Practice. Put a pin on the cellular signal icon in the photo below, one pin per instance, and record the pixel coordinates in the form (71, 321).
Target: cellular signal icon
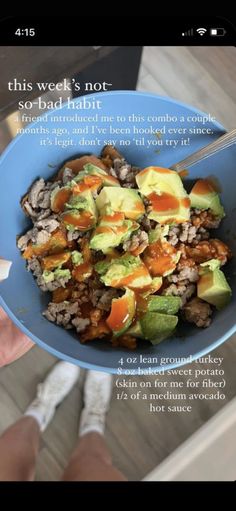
(188, 33)
(201, 31)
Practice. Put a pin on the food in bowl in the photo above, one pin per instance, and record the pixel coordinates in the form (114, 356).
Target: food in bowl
(125, 252)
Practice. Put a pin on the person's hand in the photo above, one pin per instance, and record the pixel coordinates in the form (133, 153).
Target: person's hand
(13, 343)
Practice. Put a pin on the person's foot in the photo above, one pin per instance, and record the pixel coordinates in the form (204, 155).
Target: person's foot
(97, 396)
(52, 391)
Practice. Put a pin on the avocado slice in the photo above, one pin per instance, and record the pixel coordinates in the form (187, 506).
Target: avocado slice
(111, 231)
(135, 330)
(166, 194)
(154, 286)
(122, 313)
(49, 276)
(77, 257)
(125, 271)
(92, 170)
(125, 200)
(212, 285)
(158, 233)
(154, 327)
(164, 304)
(159, 179)
(204, 196)
(168, 209)
(80, 212)
(59, 197)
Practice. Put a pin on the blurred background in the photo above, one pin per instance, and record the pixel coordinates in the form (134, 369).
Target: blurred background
(140, 442)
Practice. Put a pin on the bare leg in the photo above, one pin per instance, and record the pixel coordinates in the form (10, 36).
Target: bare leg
(91, 461)
(19, 446)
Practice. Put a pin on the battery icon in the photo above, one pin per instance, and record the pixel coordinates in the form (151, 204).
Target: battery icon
(217, 31)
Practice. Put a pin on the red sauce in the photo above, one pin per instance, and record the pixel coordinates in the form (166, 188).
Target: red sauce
(202, 187)
(52, 261)
(141, 271)
(183, 173)
(139, 207)
(120, 229)
(80, 187)
(110, 179)
(117, 217)
(163, 202)
(158, 258)
(82, 221)
(60, 198)
(82, 271)
(141, 303)
(93, 182)
(119, 314)
(186, 202)
(104, 230)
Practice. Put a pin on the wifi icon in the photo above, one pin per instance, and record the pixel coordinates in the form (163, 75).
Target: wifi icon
(201, 31)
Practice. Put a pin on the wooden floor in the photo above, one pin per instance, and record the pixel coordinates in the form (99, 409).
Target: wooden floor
(138, 440)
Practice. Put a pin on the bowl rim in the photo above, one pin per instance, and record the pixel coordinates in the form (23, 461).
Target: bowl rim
(59, 354)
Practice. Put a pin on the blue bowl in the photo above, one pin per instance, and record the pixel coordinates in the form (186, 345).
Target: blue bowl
(25, 160)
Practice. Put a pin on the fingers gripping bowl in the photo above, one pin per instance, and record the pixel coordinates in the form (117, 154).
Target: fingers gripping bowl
(32, 160)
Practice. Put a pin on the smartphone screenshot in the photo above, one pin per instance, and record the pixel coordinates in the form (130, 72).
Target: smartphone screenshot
(117, 250)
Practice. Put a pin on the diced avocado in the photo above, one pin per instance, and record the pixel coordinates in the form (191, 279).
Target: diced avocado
(83, 201)
(159, 180)
(135, 330)
(164, 304)
(158, 233)
(78, 220)
(106, 178)
(122, 313)
(166, 208)
(154, 286)
(107, 237)
(126, 271)
(120, 199)
(168, 198)
(212, 264)
(115, 218)
(77, 257)
(156, 327)
(59, 197)
(49, 276)
(89, 169)
(81, 212)
(62, 274)
(127, 261)
(204, 196)
(212, 285)
(111, 231)
(93, 170)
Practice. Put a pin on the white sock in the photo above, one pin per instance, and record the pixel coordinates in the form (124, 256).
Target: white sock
(51, 392)
(97, 395)
(37, 414)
